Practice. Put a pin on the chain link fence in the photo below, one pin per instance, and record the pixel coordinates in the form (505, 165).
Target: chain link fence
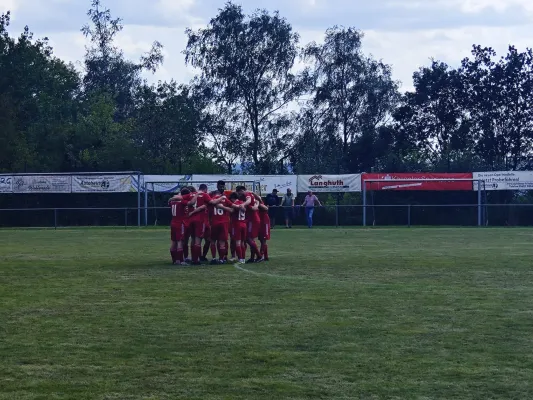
(327, 216)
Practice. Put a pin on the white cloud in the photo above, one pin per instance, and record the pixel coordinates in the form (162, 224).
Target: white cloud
(173, 8)
(407, 51)
(8, 5)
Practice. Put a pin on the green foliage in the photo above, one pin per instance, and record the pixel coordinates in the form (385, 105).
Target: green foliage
(246, 105)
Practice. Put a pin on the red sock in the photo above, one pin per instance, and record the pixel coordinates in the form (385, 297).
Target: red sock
(221, 251)
(265, 251)
(254, 250)
(262, 249)
(207, 245)
(214, 251)
(243, 252)
(180, 255)
(196, 251)
(173, 254)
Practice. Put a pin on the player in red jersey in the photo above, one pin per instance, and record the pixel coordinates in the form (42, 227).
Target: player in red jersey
(253, 222)
(238, 226)
(220, 220)
(198, 220)
(187, 223)
(221, 188)
(264, 231)
(178, 206)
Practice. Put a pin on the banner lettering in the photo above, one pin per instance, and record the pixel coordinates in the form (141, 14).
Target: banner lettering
(101, 183)
(42, 184)
(402, 181)
(6, 184)
(505, 180)
(265, 183)
(329, 183)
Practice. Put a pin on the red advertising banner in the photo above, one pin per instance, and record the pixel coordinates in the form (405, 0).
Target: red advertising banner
(402, 181)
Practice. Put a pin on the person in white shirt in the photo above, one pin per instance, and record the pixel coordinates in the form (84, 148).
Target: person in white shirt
(309, 203)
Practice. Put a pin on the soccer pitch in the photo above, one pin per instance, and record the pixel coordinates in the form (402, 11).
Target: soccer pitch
(421, 313)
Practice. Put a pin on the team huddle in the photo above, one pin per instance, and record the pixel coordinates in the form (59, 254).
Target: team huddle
(217, 218)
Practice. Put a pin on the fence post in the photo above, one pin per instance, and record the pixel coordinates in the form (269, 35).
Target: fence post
(139, 200)
(55, 218)
(409, 215)
(146, 204)
(478, 204)
(364, 203)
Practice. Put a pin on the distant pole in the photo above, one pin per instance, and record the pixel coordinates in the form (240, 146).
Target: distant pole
(479, 204)
(146, 204)
(364, 203)
(139, 200)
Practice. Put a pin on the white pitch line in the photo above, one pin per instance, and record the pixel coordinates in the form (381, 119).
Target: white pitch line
(237, 266)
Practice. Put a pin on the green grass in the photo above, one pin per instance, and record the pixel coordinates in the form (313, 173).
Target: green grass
(337, 314)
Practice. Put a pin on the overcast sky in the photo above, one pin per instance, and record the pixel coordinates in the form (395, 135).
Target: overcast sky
(403, 33)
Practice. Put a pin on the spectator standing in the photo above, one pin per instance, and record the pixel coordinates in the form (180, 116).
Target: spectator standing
(288, 207)
(309, 203)
(272, 201)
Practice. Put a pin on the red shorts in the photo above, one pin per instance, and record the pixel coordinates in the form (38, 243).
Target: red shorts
(177, 232)
(238, 232)
(197, 228)
(264, 231)
(220, 232)
(253, 229)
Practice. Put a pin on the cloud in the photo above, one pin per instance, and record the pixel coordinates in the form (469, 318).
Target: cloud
(407, 51)
(8, 5)
(403, 33)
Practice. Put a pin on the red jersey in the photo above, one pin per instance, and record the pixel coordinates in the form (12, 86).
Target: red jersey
(239, 216)
(179, 211)
(202, 199)
(218, 215)
(265, 218)
(252, 215)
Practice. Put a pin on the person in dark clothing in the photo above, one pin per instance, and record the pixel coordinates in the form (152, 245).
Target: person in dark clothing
(272, 201)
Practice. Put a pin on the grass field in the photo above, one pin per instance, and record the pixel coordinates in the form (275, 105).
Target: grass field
(337, 314)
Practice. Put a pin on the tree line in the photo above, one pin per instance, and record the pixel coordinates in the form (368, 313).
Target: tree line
(249, 105)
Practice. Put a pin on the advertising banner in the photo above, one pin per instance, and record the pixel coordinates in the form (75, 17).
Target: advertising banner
(42, 184)
(505, 180)
(6, 184)
(101, 183)
(266, 183)
(329, 183)
(402, 181)
(166, 183)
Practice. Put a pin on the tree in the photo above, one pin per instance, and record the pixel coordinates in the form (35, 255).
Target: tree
(247, 63)
(434, 116)
(353, 94)
(167, 131)
(500, 102)
(106, 69)
(37, 103)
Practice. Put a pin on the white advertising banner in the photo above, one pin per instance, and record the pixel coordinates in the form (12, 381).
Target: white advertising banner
(6, 184)
(505, 180)
(165, 183)
(42, 184)
(267, 183)
(101, 183)
(329, 183)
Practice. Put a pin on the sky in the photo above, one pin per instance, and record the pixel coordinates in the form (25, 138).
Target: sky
(405, 34)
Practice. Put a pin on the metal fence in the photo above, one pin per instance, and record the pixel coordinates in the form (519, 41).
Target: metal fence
(331, 215)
